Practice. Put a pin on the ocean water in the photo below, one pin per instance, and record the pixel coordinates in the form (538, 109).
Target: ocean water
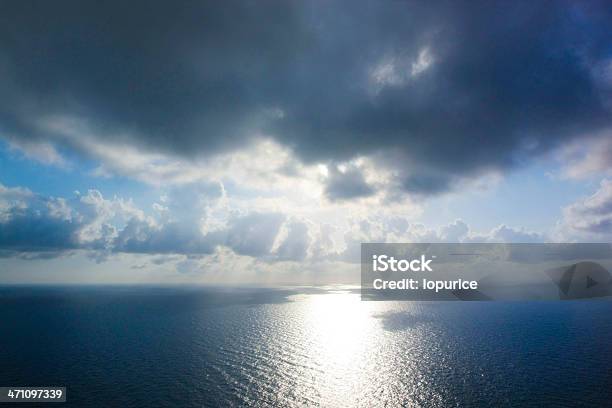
(200, 347)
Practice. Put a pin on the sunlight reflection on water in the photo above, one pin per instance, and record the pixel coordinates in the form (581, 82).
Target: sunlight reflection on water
(334, 350)
(346, 356)
(196, 347)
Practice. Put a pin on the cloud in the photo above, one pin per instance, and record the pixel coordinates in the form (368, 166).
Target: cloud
(195, 222)
(454, 232)
(296, 244)
(444, 91)
(40, 151)
(399, 230)
(34, 223)
(30, 222)
(398, 71)
(506, 234)
(588, 156)
(145, 236)
(346, 183)
(254, 234)
(591, 217)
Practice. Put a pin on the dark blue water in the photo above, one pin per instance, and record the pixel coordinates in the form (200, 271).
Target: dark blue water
(168, 347)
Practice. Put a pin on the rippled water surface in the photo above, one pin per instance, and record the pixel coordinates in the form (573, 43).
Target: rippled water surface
(149, 347)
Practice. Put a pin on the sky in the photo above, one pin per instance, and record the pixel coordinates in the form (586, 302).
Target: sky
(248, 142)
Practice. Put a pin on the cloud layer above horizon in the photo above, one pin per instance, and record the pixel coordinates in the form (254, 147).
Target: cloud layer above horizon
(289, 131)
(441, 91)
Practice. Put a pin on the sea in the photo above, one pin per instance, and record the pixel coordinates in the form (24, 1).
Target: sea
(179, 346)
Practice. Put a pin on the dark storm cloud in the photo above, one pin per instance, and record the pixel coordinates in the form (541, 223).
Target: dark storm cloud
(424, 183)
(451, 88)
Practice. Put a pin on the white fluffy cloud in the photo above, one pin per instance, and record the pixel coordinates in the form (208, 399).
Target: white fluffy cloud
(32, 223)
(588, 156)
(198, 220)
(590, 218)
